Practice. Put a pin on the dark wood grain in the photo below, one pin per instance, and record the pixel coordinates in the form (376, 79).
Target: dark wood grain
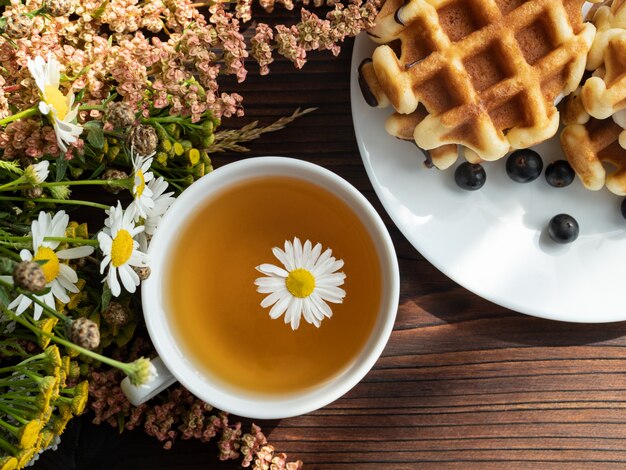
(462, 382)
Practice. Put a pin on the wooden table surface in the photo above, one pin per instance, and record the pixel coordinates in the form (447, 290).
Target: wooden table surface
(462, 381)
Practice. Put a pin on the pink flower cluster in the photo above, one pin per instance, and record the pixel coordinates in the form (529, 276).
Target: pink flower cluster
(177, 414)
(28, 138)
(177, 52)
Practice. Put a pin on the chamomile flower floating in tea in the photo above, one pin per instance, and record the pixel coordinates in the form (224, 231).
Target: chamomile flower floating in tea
(54, 104)
(60, 277)
(142, 193)
(308, 280)
(120, 250)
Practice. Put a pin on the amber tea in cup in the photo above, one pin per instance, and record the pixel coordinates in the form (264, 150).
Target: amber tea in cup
(215, 309)
(203, 311)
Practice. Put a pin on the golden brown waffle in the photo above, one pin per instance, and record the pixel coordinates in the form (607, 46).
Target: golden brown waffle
(605, 93)
(486, 71)
(589, 147)
(399, 125)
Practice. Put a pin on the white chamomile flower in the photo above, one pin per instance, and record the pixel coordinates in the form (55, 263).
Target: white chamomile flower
(60, 278)
(162, 202)
(142, 192)
(37, 173)
(308, 280)
(54, 104)
(121, 250)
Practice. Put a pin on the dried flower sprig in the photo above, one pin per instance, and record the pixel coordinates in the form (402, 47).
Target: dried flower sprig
(230, 140)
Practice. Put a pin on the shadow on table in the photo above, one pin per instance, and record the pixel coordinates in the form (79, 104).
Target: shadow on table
(502, 325)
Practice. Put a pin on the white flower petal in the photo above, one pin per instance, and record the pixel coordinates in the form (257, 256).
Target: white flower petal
(26, 255)
(330, 280)
(104, 263)
(297, 252)
(58, 291)
(331, 294)
(282, 257)
(114, 284)
(129, 278)
(279, 307)
(294, 312)
(269, 284)
(270, 269)
(274, 297)
(307, 313)
(37, 311)
(76, 252)
(67, 273)
(319, 305)
(58, 226)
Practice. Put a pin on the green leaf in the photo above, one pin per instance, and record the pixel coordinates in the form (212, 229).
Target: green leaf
(11, 166)
(4, 297)
(98, 171)
(92, 125)
(41, 262)
(95, 137)
(61, 165)
(81, 93)
(6, 266)
(106, 297)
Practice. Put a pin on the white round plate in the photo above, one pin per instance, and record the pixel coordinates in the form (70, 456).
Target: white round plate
(494, 241)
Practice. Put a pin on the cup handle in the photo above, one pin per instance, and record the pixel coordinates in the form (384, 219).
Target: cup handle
(142, 393)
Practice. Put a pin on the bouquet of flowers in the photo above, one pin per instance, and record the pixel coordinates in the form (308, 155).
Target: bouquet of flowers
(108, 110)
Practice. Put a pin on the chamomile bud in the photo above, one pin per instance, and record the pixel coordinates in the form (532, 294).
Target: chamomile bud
(85, 333)
(60, 192)
(116, 314)
(141, 371)
(28, 275)
(114, 174)
(119, 115)
(143, 139)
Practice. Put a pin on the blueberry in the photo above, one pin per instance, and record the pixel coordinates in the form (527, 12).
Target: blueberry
(559, 174)
(563, 228)
(470, 176)
(524, 165)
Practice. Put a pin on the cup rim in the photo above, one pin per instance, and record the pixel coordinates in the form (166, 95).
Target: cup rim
(261, 406)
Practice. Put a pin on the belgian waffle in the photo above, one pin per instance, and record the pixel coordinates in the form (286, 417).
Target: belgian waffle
(605, 93)
(399, 125)
(487, 71)
(589, 147)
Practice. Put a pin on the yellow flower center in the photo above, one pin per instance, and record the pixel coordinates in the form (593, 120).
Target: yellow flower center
(300, 283)
(51, 267)
(56, 100)
(122, 248)
(140, 182)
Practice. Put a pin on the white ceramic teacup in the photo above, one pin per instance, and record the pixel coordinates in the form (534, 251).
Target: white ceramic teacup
(173, 365)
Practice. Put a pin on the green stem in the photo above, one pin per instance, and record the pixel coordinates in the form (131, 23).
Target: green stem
(10, 254)
(22, 114)
(12, 183)
(82, 241)
(24, 412)
(126, 368)
(12, 450)
(6, 425)
(115, 183)
(57, 201)
(86, 107)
